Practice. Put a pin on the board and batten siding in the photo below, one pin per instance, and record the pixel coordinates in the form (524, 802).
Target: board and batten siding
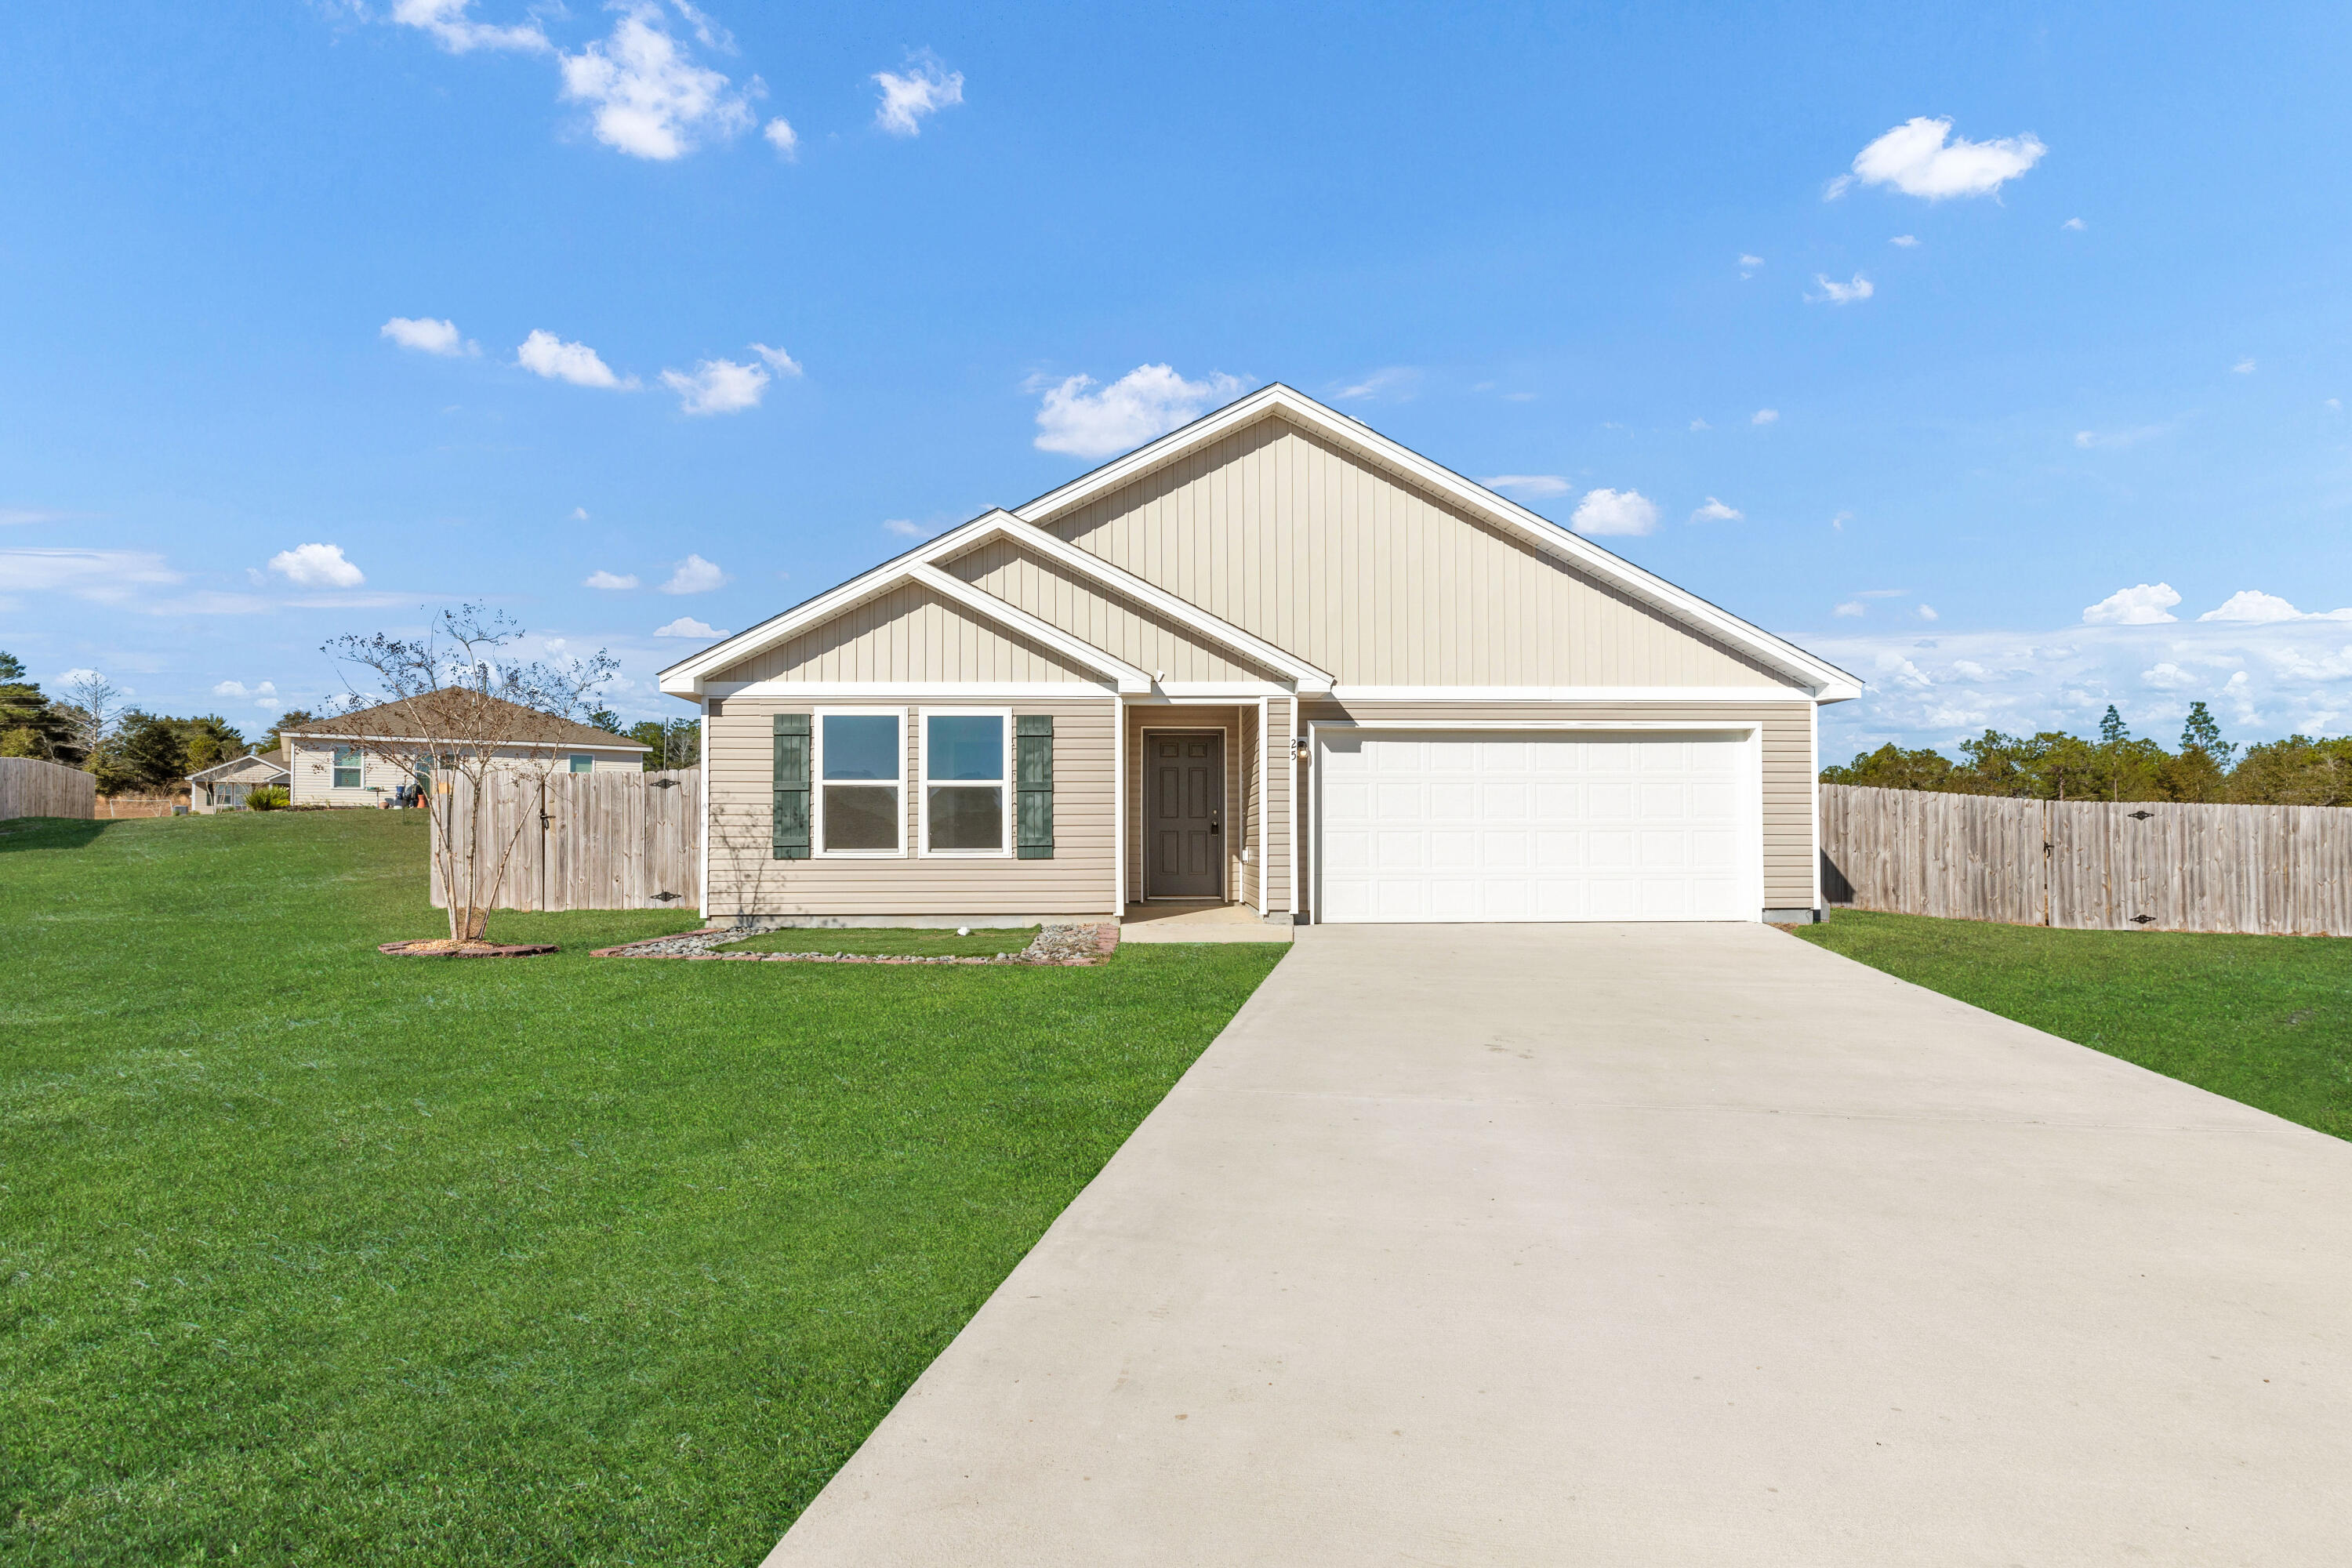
(909, 634)
(1378, 582)
(1786, 730)
(745, 879)
(1054, 594)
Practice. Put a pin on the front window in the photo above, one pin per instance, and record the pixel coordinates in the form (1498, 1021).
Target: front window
(963, 783)
(860, 765)
(583, 764)
(346, 767)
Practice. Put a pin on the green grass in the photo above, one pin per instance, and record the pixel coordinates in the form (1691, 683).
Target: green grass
(893, 941)
(310, 1255)
(2264, 1019)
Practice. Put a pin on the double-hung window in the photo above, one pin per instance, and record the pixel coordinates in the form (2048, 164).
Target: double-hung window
(861, 761)
(346, 767)
(582, 762)
(965, 799)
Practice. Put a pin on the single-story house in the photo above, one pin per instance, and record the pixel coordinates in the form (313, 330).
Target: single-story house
(1273, 658)
(362, 758)
(223, 786)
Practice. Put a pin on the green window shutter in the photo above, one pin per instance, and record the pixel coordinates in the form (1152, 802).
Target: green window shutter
(792, 822)
(1033, 742)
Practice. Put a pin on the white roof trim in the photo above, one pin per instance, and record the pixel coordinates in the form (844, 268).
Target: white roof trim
(295, 738)
(1124, 676)
(1825, 682)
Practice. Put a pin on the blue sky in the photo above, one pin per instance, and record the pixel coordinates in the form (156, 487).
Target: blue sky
(318, 313)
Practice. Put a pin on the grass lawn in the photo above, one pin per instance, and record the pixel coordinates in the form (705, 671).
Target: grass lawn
(310, 1255)
(2263, 1019)
(895, 941)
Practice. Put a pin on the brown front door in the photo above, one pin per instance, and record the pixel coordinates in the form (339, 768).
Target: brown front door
(1184, 822)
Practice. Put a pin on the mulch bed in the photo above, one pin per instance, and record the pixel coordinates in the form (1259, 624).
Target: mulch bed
(1066, 946)
(442, 947)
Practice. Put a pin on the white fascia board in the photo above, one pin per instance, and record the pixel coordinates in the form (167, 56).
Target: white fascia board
(1825, 682)
(637, 746)
(1124, 676)
(1119, 581)
(1659, 694)
(973, 690)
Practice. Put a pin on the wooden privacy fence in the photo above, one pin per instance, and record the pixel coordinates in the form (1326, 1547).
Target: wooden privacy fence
(2090, 865)
(31, 787)
(583, 841)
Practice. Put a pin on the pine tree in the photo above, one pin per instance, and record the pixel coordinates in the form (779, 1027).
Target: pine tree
(2111, 728)
(2203, 733)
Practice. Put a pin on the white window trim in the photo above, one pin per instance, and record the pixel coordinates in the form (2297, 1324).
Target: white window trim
(359, 762)
(817, 782)
(923, 717)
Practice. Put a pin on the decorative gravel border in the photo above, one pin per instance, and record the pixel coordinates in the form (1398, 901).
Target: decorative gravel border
(1066, 946)
(497, 950)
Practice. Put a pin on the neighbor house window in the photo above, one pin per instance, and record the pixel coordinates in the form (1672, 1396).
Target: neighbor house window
(583, 764)
(861, 776)
(346, 767)
(965, 792)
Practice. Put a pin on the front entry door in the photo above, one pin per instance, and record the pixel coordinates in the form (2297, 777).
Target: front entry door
(1184, 801)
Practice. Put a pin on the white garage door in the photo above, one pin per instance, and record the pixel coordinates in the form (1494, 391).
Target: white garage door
(1530, 825)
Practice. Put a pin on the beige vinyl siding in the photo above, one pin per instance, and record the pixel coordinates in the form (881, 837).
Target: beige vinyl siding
(1248, 815)
(1787, 752)
(1188, 716)
(909, 634)
(312, 776)
(1379, 582)
(747, 879)
(1140, 635)
(1281, 778)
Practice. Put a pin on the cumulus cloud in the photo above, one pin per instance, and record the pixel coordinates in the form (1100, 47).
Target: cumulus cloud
(2252, 605)
(1393, 384)
(687, 627)
(780, 135)
(717, 386)
(544, 353)
(317, 566)
(1607, 511)
(1765, 416)
(450, 26)
(579, 514)
(1921, 157)
(1907, 241)
(1700, 424)
(646, 95)
(1837, 293)
(2148, 604)
(262, 696)
(1147, 402)
(612, 581)
(1535, 487)
(428, 336)
(903, 527)
(778, 360)
(1852, 608)
(2075, 224)
(2168, 676)
(2244, 367)
(926, 89)
(694, 575)
(1928, 613)
(1748, 264)
(1716, 512)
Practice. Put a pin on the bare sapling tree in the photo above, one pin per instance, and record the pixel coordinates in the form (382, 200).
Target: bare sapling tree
(458, 712)
(92, 708)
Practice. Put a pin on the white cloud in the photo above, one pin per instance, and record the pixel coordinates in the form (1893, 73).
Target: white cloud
(1536, 486)
(1393, 384)
(1928, 613)
(1907, 241)
(317, 566)
(1840, 520)
(778, 360)
(694, 575)
(2148, 604)
(1701, 424)
(1147, 402)
(687, 627)
(1882, 593)
(454, 30)
(2088, 439)
(238, 689)
(902, 527)
(926, 89)
(427, 335)
(782, 137)
(2077, 224)
(2244, 367)
(1614, 511)
(647, 96)
(1748, 264)
(1852, 608)
(608, 580)
(12, 515)
(1765, 416)
(579, 514)
(1837, 293)
(544, 353)
(2334, 405)
(717, 386)
(2251, 604)
(1716, 512)
(2167, 677)
(1915, 159)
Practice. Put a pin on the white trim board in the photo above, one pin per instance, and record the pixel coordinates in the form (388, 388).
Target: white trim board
(1713, 694)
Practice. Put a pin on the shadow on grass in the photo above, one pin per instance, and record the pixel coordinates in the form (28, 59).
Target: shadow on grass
(50, 832)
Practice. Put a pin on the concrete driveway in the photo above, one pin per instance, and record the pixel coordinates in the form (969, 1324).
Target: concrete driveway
(1645, 1244)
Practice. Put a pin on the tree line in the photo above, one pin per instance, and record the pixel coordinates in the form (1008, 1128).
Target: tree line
(2119, 766)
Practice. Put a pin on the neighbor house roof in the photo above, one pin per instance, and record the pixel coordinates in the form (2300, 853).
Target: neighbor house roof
(455, 714)
(265, 761)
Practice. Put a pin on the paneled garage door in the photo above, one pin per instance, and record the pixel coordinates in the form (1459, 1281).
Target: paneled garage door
(1535, 826)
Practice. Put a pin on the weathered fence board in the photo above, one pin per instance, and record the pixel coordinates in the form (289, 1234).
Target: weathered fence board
(2090, 865)
(31, 787)
(585, 841)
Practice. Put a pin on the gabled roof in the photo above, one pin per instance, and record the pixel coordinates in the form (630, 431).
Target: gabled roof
(457, 714)
(265, 761)
(1027, 524)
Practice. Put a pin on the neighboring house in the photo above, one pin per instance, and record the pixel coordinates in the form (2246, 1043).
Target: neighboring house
(223, 786)
(1273, 658)
(364, 758)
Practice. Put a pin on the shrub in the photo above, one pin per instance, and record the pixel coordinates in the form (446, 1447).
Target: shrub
(267, 797)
